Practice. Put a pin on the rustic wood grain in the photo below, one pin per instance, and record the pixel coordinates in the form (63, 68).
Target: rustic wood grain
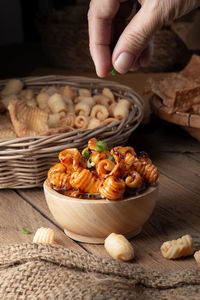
(17, 215)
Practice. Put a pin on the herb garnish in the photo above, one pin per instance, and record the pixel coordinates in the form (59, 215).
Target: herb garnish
(86, 154)
(101, 146)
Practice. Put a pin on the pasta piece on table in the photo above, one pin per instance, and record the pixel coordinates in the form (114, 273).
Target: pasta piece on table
(44, 236)
(197, 257)
(119, 247)
(177, 248)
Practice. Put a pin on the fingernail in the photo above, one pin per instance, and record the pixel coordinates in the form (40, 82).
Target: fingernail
(124, 62)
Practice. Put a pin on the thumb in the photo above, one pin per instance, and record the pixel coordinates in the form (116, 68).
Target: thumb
(136, 37)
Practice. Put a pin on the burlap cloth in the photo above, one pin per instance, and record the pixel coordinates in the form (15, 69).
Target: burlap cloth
(31, 271)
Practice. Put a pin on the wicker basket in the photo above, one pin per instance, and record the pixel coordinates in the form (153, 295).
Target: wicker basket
(24, 161)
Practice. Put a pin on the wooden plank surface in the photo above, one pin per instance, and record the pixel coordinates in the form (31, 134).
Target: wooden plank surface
(17, 215)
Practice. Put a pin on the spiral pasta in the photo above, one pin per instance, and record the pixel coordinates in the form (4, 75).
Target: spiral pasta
(100, 112)
(71, 159)
(177, 248)
(85, 181)
(82, 109)
(134, 180)
(81, 122)
(44, 236)
(104, 167)
(112, 188)
(146, 169)
(58, 178)
(99, 171)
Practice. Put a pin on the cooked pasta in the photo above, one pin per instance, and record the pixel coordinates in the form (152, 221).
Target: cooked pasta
(86, 181)
(112, 188)
(58, 178)
(122, 151)
(44, 236)
(134, 180)
(100, 112)
(96, 157)
(71, 159)
(119, 247)
(96, 170)
(104, 167)
(92, 144)
(177, 248)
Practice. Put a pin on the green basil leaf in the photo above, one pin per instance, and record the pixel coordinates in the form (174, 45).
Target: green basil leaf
(101, 146)
(86, 154)
(111, 158)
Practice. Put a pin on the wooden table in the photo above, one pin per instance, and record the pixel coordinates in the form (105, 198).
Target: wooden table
(177, 156)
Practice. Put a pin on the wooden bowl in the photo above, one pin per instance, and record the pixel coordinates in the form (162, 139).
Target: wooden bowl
(91, 221)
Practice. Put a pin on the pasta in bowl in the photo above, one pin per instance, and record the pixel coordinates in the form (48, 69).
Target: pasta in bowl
(96, 192)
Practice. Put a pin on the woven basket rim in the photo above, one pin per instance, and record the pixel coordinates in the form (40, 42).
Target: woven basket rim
(33, 80)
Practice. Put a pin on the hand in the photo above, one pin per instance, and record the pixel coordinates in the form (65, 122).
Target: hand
(134, 46)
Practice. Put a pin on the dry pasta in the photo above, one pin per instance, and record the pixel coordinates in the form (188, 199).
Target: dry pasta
(53, 120)
(56, 103)
(119, 247)
(84, 93)
(121, 110)
(44, 236)
(81, 122)
(93, 123)
(197, 257)
(68, 91)
(108, 93)
(177, 248)
(100, 112)
(28, 94)
(82, 109)
(13, 87)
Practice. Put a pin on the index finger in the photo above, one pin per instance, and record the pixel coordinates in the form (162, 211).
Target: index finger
(100, 17)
